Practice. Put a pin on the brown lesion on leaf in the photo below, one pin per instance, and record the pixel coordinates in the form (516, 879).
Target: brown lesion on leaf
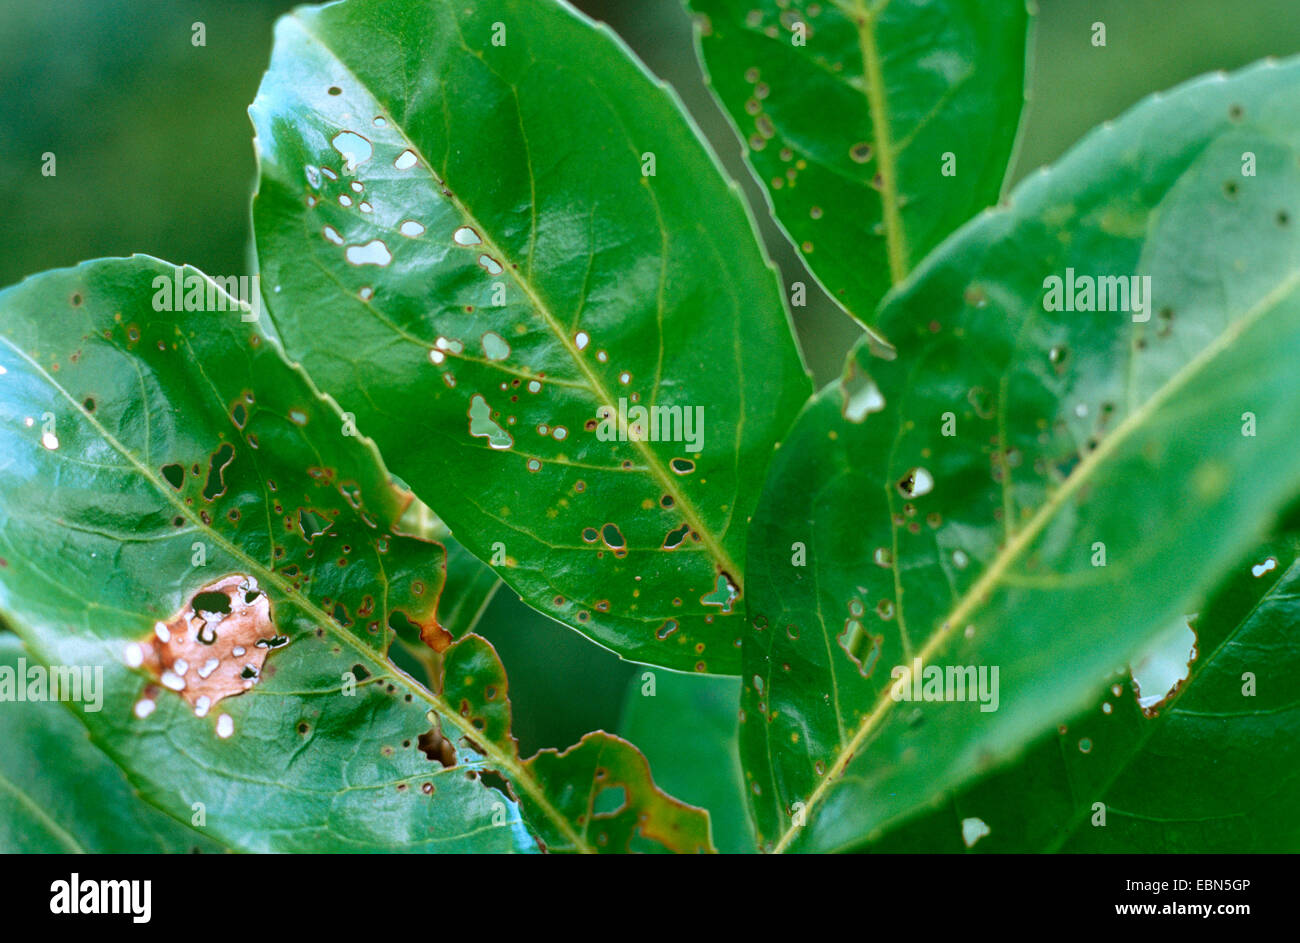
(322, 475)
(431, 631)
(215, 647)
(434, 635)
(423, 621)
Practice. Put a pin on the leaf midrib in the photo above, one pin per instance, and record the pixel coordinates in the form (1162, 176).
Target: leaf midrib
(873, 75)
(663, 478)
(982, 588)
(489, 749)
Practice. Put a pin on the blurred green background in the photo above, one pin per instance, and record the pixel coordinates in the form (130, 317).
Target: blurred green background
(154, 154)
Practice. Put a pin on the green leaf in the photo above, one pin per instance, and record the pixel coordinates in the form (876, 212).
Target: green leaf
(162, 464)
(686, 727)
(1159, 447)
(1211, 769)
(468, 587)
(470, 584)
(601, 787)
(537, 277)
(885, 129)
(59, 794)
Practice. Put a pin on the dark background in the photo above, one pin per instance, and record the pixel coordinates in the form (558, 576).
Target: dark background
(154, 152)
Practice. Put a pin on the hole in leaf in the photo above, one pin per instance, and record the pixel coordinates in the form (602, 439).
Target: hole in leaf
(217, 602)
(1161, 669)
(311, 524)
(860, 393)
(613, 538)
(437, 747)
(221, 459)
(675, 537)
(175, 475)
(861, 646)
(916, 483)
(609, 801)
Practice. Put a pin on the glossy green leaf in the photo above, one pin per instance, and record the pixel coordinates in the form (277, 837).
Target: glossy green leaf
(876, 127)
(1010, 450)
(481, 228)
(686, 727)
(1212, 769)
(154, 458)
(59, 794)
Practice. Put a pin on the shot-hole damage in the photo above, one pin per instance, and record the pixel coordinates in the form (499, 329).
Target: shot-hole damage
(613, 538)
(609, 801)
(675, 537)
(859, 644)
(215, 486)
(312, 524)
(174, 474)
(1259, 569)
(1160, 671)
(437, 747)
(482, 424)
(859, 393)
(917, 482)
(724, 594)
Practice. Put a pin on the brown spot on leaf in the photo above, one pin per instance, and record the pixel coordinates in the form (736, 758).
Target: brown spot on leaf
(213, 648)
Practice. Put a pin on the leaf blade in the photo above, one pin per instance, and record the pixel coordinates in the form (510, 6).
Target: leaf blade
(975, 544)
(133, 404)
(850, 132)
(59, 794)
(619, 290)
(1202, 772)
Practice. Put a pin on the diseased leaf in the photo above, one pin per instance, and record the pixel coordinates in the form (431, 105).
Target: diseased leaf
(173, 489)
(1212, 769)
(876, 127)
(686, 727)
(59, 794)
(600, 788)
(150, 453)
(1035, 491)
(484, 228)
(469, 584)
